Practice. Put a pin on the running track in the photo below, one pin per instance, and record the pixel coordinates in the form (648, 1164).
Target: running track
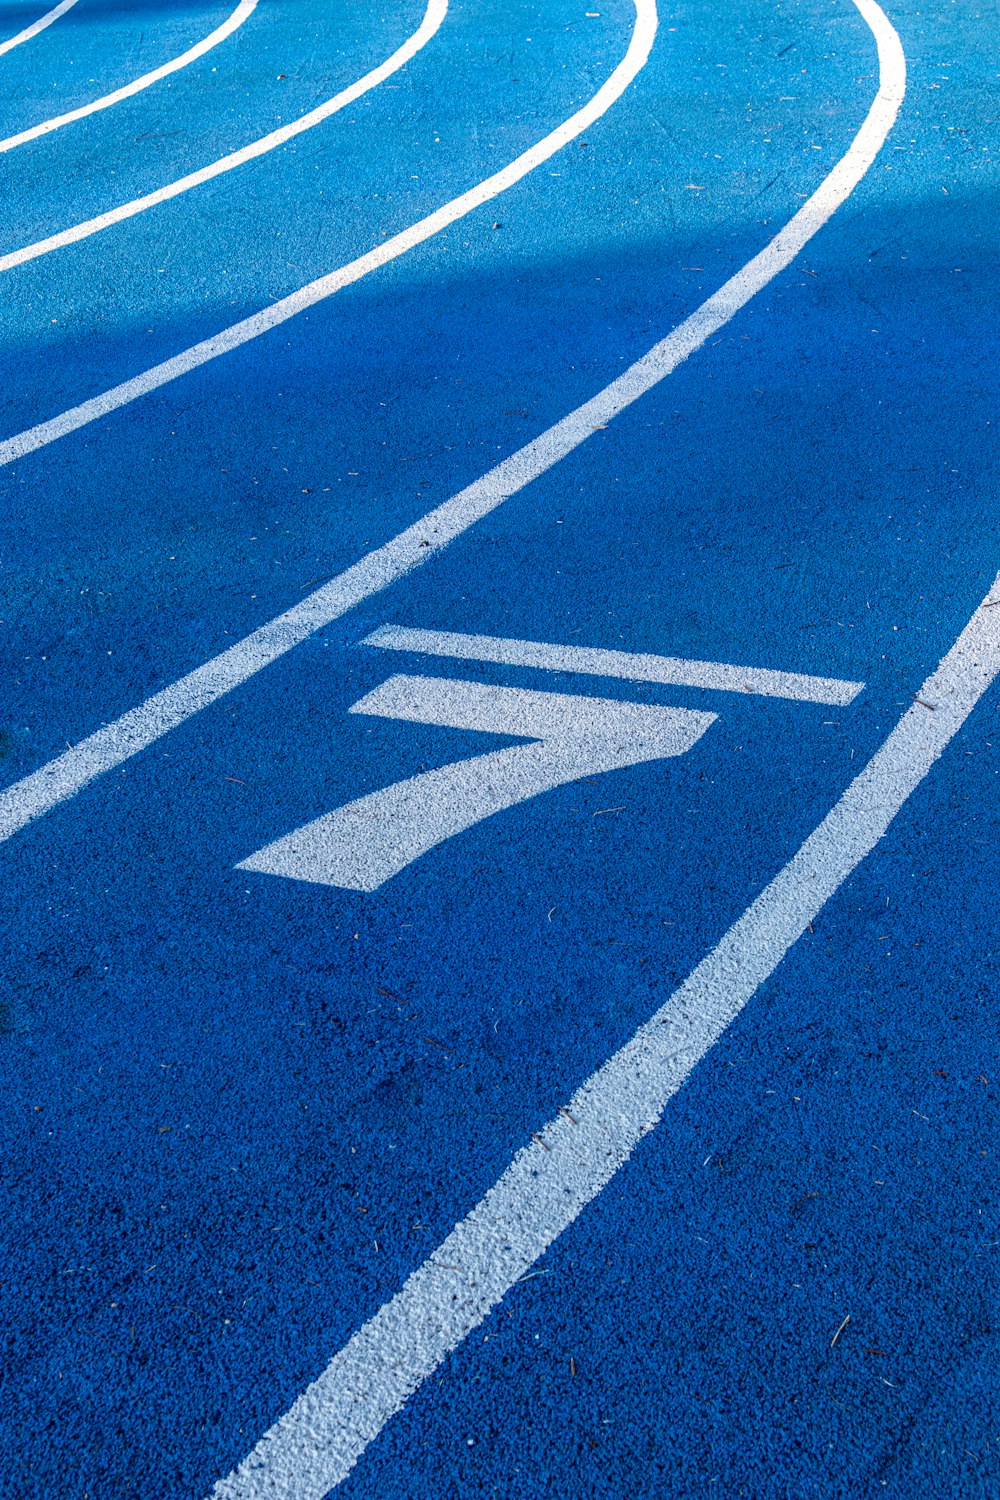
(499, 552)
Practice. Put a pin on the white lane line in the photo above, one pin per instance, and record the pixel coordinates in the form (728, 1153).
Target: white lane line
(317, 291)
(594, 662)
(70, 772)
(37, 26)
(435, 14)
(316, 1444)
(231, 24)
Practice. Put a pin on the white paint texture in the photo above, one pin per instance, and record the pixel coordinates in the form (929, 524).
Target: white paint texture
(363, 844)
(140, 727)
(318, 291)
(593, 661)
(316, 1444)
(434, 15)
(228, 26)
(36, 26)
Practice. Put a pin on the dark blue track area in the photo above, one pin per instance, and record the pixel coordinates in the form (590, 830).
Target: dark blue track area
(239, 1110)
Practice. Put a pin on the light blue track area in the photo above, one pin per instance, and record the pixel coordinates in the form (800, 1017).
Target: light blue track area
(525, 1023)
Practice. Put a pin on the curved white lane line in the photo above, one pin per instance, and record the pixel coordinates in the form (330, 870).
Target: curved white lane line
(317, 291)
(231, 24)
(37, 26)
(140, 727)
(433, 16)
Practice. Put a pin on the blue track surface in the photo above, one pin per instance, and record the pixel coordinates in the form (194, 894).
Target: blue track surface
(240, 1110)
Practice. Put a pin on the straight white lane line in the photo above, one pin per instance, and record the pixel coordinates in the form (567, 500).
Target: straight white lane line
(596, 662)
(231, 24)
(435, 14)
(70, 772)
(37, 26)
(319, 1440)
(317, 291)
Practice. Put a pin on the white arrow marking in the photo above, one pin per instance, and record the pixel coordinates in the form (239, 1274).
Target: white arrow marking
(363, 844)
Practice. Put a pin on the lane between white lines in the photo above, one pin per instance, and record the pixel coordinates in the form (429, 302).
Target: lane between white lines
(319, 1440)
(318, 291)
(36, 26)
(314, 1446)
(231, 24)
(434, 15)
(140, 727)
(593, 661)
